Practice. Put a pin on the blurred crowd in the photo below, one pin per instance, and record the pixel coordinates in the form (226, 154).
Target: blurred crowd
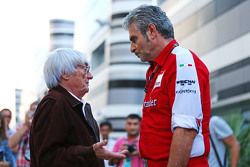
(14, 143)
(15, 152)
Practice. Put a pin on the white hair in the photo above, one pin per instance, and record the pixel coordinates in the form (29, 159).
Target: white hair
(61, 61)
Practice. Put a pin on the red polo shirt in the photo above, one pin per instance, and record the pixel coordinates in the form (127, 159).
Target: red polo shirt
(177, 95)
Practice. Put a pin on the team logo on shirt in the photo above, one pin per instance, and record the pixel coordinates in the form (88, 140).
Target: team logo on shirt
(158, 80)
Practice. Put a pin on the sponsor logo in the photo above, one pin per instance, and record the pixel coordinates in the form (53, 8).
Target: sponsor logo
(186, 91)
(150, 103)
(183, 82)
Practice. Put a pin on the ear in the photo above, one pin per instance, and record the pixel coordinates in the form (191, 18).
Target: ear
(151, 31)
(65, 76)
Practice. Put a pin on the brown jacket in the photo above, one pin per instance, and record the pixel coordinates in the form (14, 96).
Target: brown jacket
(60, 134)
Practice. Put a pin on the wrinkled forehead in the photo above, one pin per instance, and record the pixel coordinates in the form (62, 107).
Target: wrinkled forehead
(134, 30)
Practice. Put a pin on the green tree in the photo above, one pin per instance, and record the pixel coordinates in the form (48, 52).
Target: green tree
(241, 129)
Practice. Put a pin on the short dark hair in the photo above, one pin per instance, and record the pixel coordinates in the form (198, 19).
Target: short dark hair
(106, 123)
(133, 116)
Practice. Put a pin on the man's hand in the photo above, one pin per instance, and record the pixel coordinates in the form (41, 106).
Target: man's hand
(103, 153)
(126, 147)
(123, 147)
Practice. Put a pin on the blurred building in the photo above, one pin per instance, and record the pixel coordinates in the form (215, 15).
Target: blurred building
(18, 95)
(219, 32)
(61, 34)
(119, 77)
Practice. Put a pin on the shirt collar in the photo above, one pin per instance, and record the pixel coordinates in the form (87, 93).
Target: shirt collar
(81, 100)
(161, 58)
(72, 100)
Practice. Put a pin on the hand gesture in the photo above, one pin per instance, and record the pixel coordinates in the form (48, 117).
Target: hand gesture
(103, 153)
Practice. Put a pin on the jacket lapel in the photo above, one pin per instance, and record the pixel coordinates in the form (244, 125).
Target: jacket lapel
(91, 121)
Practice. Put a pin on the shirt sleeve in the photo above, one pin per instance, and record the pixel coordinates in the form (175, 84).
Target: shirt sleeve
(186, 108)
(220, 127)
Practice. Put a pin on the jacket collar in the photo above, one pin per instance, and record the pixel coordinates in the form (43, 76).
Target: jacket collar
(72, 100)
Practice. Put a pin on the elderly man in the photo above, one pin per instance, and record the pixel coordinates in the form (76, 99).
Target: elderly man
(64, 132)
(175, 124)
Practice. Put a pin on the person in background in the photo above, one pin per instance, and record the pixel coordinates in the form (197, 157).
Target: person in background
(7, 158)
(64, 132)
(7, 114)
(176, 109)
(105, 130)
(130, 142)
(21, 138)
(221, 135)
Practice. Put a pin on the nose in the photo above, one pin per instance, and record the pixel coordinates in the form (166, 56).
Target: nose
(132, 47)
(90, 76)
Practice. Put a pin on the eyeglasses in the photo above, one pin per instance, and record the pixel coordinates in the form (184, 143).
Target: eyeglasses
(86, 68)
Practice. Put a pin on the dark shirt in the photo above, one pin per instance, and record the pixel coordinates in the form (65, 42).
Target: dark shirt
(61, 136)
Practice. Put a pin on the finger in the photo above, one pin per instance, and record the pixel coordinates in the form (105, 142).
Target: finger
(101, 144)
(104, 142)
(124, 148)
(124, 152)
(116, 155)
